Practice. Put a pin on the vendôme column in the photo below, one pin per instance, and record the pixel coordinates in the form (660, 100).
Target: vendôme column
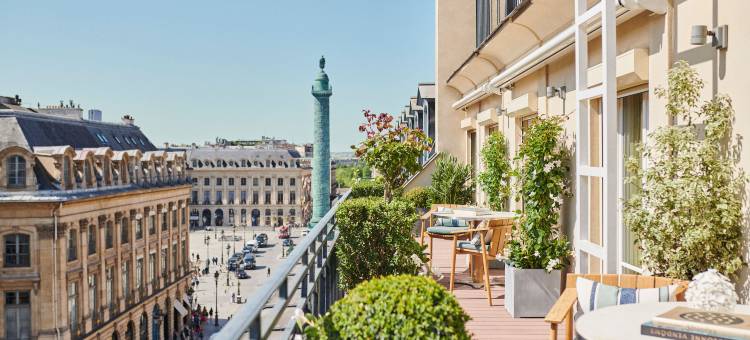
(321, 172)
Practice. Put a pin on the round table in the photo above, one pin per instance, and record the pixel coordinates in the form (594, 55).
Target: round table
(624, 321)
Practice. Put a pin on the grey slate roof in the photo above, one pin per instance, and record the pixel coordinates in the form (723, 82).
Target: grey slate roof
(29, 129)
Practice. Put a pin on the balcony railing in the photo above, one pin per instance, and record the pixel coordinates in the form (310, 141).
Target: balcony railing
(307, 279)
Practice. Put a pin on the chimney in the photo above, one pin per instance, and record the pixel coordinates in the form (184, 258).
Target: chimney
(128, 120)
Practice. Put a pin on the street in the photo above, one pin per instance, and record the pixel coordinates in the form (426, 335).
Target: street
(227, 283)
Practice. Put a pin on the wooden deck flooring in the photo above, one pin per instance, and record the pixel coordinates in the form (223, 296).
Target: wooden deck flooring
(487, 322)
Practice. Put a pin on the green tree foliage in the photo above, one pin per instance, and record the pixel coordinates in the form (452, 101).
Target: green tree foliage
(392, 150)
(394, 307)
(451, 182)
(376, 240)
(347, 176)
(688, 216)
(495, 179)
(370, 188)
(419, 197)
(541, 171)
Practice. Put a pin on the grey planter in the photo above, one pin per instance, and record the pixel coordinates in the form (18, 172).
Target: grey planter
(530, 293)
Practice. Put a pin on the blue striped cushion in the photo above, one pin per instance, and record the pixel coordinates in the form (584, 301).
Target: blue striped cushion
(449, 222)
(470, 245)
(593, 295)
(441, 230)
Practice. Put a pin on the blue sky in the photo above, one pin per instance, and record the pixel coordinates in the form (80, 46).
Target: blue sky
(190, 71)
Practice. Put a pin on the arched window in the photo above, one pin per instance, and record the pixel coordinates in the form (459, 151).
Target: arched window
(16, 169)
(72, 244)
(87, 173)
(17, 250)
(143, 328)
(66, 172)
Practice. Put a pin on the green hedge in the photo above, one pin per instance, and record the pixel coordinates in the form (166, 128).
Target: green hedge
(367, 189)
(375, 240)
(394, 307)
(420, 197)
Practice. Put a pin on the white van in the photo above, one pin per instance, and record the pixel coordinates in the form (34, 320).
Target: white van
(253, 243)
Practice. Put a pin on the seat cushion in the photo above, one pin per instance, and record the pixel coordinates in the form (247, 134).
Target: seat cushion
(469, 245)
(449, 222)
(593, 295)
(442, 230)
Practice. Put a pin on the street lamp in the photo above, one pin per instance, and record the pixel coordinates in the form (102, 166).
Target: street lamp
(207, 241)
(234, 240)
(216, 299)
(222, 245)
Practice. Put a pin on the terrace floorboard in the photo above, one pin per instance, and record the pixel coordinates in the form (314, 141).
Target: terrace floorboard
(486, 322)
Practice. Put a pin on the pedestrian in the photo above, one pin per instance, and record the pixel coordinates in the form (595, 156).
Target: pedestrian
(268, 271)
(233, 296)
(201, 335)
(211, 312)
(199, 257)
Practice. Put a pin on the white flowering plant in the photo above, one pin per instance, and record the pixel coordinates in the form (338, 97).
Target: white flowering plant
(688, 216)
(542, 170)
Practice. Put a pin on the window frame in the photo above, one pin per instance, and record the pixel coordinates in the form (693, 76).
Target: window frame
(18, 255)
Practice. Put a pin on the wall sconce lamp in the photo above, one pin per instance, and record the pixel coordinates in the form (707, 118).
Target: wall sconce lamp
(719, 38)
(556, 91)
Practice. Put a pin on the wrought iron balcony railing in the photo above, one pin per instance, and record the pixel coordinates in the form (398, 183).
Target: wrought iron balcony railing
(307, 280)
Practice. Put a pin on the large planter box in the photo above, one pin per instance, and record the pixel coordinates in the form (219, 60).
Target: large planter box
(530, 293)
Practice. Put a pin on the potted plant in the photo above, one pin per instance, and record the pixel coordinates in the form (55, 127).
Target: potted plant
(687, 216)
(538, 251)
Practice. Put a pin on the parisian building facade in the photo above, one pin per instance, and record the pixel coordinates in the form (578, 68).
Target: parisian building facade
(264, 185)
(93, 221)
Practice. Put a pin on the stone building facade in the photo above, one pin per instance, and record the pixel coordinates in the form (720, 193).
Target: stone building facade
(93, 222)
(248, 186)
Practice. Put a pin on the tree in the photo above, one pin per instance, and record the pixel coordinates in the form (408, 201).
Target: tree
(687, 218)
(451, 182)
(392, 150)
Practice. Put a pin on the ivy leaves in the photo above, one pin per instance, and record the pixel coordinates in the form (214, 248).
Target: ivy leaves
(495, 179)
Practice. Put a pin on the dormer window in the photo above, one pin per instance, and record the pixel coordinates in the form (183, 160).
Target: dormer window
(16, 168)
(66, 172)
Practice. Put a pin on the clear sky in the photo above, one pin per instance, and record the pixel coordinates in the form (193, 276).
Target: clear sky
(190, 71)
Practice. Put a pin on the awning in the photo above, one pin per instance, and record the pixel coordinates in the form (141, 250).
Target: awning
(178, 306)
(186, 299)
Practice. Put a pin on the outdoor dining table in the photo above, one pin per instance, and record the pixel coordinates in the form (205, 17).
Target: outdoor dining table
(472, 221)
(624, 321)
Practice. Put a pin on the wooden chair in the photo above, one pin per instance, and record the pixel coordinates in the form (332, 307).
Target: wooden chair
(500, 232)
(428, 220)
(564, 308)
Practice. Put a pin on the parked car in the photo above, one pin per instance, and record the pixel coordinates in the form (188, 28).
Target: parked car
(288, 242)
(249, 261)
(232, 266)
(248, 250)
(242, 274)
(262, 240)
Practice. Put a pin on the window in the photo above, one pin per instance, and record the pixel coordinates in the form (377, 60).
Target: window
(164, 261)
(17, 315)
(292, 182)
(243, 181)
(231, 217)
(174, 219)
(472, 143)
(483, 20)
(280, 182)
(206, 197)
(510, 5)
(280, 212)
(268, 212)
(72, 244)
(219, 198)
(125, 275)
(16, 169)
(279, 197)
(218, 181)
(194, 197)
(93, 305)
(292, 212)
(124, 231)
(231, 180)
(109, 235)
(73, 306)
(92, 239)
(152, 224)
(255, 182)
(184, 215)
(292, 197)
(231, 196)
(184, 252)
(255, 197)
(151, 266)
(17, 251)
(139, 273)
(195, 181)
(243, 216)
(267, 199)
(138, 229)
(164, 219)
(268, 182)
(243, 197)
(109, 287)
(174, 258)
(206, 181)
(66, 172)
(632, 110)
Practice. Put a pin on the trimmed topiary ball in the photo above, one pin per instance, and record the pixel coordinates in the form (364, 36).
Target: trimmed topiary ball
(394, 307)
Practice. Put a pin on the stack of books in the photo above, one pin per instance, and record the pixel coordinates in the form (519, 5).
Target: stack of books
(695, 324)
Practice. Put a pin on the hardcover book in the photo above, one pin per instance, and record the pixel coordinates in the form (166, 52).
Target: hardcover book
(702, 323)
